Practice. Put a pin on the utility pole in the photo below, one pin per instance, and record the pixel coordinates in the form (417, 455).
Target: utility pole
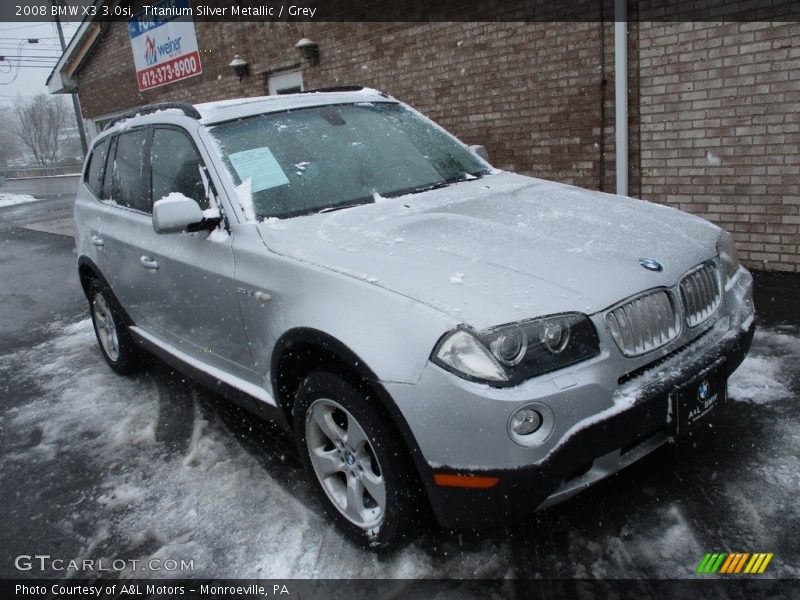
(75, 102)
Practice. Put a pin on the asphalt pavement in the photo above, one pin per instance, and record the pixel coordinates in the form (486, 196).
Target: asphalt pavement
(96, 465)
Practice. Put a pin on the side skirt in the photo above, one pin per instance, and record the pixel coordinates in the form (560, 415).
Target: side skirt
(251, 397)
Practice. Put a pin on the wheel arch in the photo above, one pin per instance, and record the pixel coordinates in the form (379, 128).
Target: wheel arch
(302, 350)
(89, 272)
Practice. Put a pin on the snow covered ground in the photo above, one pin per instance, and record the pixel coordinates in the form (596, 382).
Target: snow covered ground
(164, 469)
(14, 199)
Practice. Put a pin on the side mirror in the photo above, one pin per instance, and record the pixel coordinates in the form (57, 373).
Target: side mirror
(479, 151)
(175, 213)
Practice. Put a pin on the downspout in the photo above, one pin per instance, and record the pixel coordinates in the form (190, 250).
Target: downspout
(621, 93)
(603, 83)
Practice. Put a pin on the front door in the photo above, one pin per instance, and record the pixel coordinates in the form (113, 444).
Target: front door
(179, 287)
(196, 299)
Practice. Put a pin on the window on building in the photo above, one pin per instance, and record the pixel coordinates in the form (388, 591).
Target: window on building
(128, 186)
(285, 82)
(175, 165)
(97, 164)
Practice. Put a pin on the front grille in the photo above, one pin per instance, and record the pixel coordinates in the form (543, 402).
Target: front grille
(701, 294)
(630, 375)
(644, 323)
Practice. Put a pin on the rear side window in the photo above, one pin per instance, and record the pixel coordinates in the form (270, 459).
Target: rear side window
(97, 165)
(128, 183)
(175, 166)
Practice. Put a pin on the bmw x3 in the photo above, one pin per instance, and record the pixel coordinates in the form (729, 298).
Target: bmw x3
(435, 333)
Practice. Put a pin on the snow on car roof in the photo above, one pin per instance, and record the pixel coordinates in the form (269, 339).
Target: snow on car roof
(226, 110)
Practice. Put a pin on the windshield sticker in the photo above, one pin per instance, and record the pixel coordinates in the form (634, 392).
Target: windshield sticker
(260, 166)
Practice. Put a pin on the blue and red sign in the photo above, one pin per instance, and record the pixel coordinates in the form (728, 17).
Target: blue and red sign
(164, 44)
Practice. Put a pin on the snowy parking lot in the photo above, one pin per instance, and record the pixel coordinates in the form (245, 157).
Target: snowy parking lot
(154, 466)
(98, 466)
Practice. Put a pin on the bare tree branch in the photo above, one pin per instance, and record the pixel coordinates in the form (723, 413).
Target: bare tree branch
(40, 125)
(8, 139)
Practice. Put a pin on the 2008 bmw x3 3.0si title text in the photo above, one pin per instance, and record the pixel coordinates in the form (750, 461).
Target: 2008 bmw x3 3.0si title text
(434, 332)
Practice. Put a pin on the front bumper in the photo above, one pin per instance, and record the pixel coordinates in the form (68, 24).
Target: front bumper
(586, 456)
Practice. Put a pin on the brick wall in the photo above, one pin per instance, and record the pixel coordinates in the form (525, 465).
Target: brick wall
(720, 130)
(713, 108)
(530, 92)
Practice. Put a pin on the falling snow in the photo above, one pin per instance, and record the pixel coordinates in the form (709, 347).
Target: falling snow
(240, 512)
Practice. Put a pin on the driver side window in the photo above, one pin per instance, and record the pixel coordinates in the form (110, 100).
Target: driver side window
(175, 166)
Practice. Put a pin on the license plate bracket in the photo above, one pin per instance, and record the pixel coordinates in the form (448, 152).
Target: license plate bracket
(692, 401)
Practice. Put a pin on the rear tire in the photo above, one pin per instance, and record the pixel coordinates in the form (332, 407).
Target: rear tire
(116, 344)
(357, 461)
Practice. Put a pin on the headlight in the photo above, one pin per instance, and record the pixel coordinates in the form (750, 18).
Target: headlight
(510, 354)
(726, 248)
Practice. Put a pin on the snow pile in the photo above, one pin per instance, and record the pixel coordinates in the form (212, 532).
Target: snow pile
(203, 497)
(244, 195)
(274, 223)
(762, 377)
(758, 380)
(178, 477)
(456, 278)
(672, 540)
(173, 197)
(219, 235)
(14, 199)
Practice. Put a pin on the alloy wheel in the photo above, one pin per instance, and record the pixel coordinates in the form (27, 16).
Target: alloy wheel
(106, 329)
(345, 463)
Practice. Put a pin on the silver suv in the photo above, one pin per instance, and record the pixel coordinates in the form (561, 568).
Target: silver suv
(434, 331)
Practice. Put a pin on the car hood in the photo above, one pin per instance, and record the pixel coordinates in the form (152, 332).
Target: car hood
(501, 248)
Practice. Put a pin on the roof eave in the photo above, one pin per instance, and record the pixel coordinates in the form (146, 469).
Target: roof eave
(61, 79)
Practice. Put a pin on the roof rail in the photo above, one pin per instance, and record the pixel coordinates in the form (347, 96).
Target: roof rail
(146, 109)
(336, 88)
(344, 88)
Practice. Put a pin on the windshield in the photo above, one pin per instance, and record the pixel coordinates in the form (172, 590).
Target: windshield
(330, 157)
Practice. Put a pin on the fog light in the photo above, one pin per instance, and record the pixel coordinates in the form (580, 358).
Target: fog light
(525, 421)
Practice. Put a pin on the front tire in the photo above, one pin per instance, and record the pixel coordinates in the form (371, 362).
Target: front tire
(116, 344)
(357, 461)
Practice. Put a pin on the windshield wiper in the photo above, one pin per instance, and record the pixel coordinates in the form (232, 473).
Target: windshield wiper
(344, 205)
(420, 188)
(434, 186)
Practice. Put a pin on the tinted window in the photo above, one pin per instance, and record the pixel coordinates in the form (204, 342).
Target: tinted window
(128, 182)
(175, 166)
(97, 164)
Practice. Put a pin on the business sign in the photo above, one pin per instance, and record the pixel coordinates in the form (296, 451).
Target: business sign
(164, 44)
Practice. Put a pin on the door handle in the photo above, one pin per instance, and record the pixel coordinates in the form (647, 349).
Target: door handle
(148, 263)
(98, 241)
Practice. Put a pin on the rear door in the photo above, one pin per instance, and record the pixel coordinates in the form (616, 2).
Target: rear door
(88, 208)
(124, 223)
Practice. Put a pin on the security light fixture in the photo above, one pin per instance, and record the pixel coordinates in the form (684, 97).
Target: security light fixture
(239, 66)
(308, 50)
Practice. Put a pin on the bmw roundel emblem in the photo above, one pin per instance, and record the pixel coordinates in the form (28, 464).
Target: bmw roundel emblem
(704, 391)
(651, 264)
